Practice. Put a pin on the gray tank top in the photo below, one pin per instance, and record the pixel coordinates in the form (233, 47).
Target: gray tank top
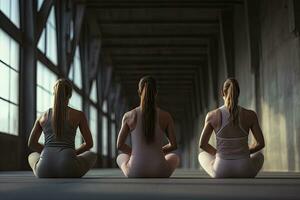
(67, 139)
(235, 147)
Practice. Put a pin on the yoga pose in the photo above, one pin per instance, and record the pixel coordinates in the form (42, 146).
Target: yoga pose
(231, 124)
(147, 125)
(58, 158)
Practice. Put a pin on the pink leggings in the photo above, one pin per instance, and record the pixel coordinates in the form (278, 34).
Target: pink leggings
(217, 167)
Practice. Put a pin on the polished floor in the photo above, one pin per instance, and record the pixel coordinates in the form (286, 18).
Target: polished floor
(184, 184)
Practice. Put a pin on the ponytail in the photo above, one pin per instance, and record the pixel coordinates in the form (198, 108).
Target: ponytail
(62, 93)
(231, 91)
(147, 91)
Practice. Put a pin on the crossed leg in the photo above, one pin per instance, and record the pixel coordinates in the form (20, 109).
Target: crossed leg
(173, 161)
(122, 161)
(257, 160)
(33, 159)
(206, 161)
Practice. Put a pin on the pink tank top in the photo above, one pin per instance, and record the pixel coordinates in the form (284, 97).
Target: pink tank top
(231, 147)
(139, 145)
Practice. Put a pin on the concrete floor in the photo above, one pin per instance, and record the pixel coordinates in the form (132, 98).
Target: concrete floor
(184, 184)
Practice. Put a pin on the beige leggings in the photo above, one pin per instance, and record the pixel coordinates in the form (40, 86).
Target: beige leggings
(58, 162)
(148, 168)
(217, 167)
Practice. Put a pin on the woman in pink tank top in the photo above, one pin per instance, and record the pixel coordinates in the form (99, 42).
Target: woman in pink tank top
(232, 157)
(147, 125)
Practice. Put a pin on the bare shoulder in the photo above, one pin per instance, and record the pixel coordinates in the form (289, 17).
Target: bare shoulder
(76, 114)
(43, 118)
(130, 116)
(250, 114)
(212, 115)
(164, 114)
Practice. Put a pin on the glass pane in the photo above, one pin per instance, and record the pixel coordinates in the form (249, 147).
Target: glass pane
(78, 139)
(15, 16)
(4, 81)
(41, 43)
(51, 19)
(4, 119)
(51, 51)
(93, 94)
(14, 87)
(45, 81)
(5, 47)
(10, 8)
(13, 119)
(104, 106)
(75, 70)
(39, 96)
(40, 3)
(93, 126)
(104, 135)
(4, 7)
(14, 54)
(76, 101)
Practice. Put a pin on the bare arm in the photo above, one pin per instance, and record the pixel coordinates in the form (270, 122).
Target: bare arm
(172, 145)
(33, 142)
(205, 136)
(86, 134)
(124, 131)
(259, 142)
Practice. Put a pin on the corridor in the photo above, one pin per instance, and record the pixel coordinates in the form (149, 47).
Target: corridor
(104, 47)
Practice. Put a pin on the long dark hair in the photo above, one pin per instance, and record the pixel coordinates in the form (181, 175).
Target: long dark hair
(231, 91)
(62, 94)
(147, 92)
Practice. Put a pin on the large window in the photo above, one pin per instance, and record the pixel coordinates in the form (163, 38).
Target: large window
(48, 41)
(76, 103)
(44, 90)
(10, 8)
(9, 81)
(75, 70)
(104, 129)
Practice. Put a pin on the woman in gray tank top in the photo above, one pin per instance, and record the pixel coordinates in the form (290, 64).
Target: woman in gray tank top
(57, 158)
(233, 157)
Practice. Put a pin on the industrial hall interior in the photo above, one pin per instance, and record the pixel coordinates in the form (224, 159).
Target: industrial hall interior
(150, 99)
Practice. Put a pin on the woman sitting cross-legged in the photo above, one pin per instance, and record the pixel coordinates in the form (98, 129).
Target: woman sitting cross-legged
(58, 158)
(232, 124)
(147, 125)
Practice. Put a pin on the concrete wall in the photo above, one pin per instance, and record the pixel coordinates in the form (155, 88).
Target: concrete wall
(280, 86)
(279, 82)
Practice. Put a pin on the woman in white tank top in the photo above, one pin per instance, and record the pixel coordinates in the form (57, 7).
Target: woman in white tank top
(233, 157)
(147, 125)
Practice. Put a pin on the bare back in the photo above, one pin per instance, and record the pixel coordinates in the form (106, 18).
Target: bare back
(164, 119)
(247, 119)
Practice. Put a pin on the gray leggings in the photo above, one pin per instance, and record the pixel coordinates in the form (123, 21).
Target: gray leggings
(217, 167)
(59, 162)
